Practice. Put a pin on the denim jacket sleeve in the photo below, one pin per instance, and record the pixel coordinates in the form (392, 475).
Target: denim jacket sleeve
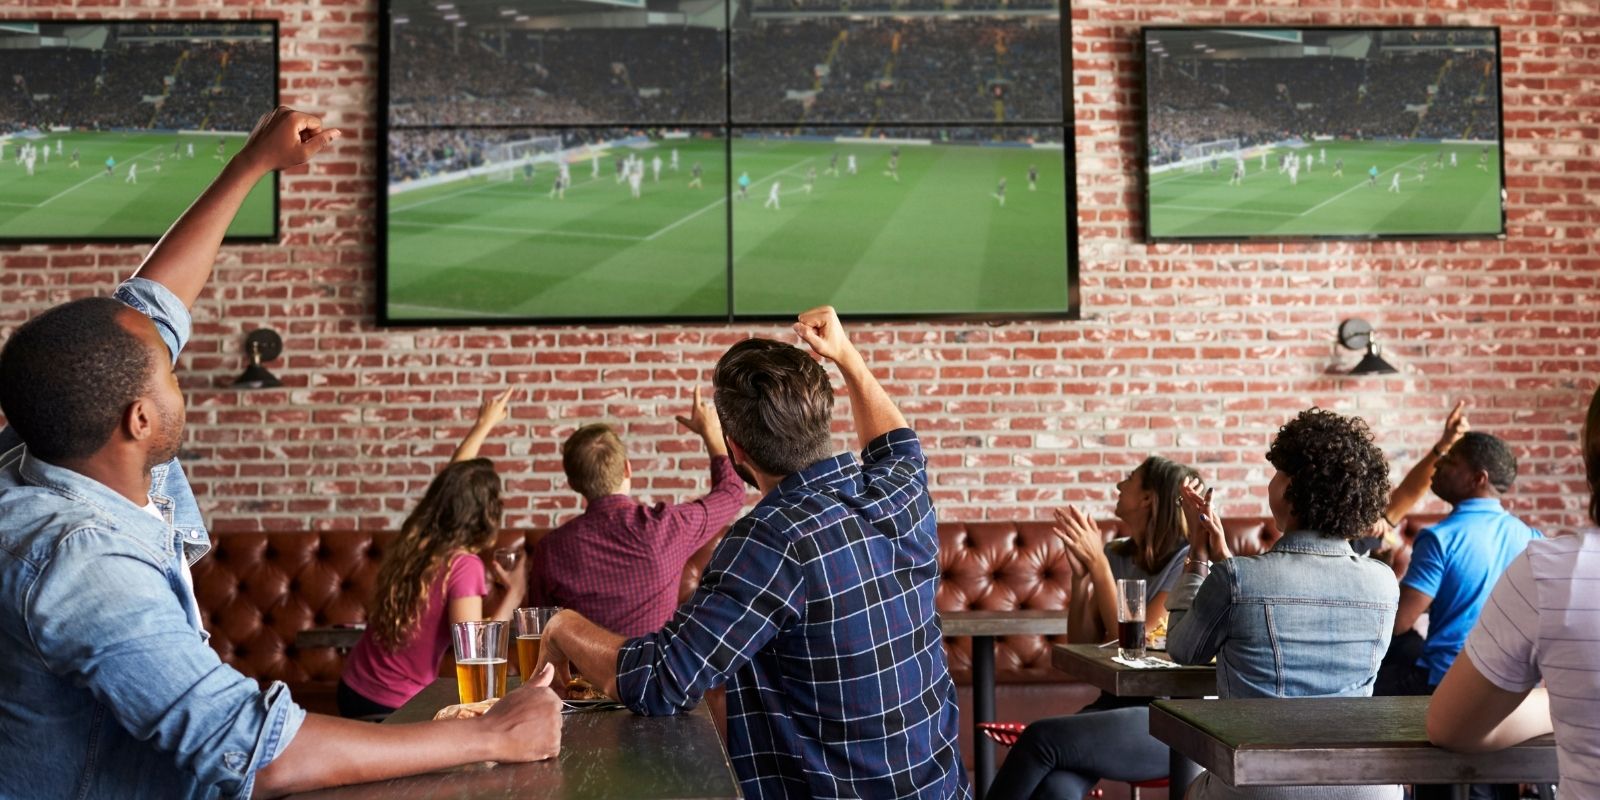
(103, 614)
(1197, 615)
(157, 302)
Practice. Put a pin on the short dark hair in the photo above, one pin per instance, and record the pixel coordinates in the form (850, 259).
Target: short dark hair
(1484, 452)
(67, 375)
(595, 460)
(775, 400)
(1338, 479)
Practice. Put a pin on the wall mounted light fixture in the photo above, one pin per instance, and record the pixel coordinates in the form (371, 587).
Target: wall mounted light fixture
(1356, 334)
(263, 345)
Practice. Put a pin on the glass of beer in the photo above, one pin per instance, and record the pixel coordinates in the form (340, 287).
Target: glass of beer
(530, 624)
(1130, 618)
(480, 659)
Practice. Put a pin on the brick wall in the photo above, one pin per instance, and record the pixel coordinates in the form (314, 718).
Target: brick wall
(1195, 352)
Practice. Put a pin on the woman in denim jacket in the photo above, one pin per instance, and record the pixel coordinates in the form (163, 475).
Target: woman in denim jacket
(1310, 618)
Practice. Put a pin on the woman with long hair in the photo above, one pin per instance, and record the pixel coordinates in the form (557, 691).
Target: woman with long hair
(1311, 617)
(1064, 757)
(431, 577)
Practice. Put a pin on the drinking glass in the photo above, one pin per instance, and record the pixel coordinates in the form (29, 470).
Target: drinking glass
(480, 659)
(530, 624)
(1130, 618)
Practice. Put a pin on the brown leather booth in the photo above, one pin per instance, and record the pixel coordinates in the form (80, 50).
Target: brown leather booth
(257, 590)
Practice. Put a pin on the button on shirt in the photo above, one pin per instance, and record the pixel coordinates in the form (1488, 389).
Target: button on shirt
(1456, 561)
(107, 687)
(817, 610)
(620, 562)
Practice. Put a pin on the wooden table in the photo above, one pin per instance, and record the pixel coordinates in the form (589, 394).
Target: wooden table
(1335, 741)
(1092, 664)
(604, 754)
(983, 626)
(339, 638)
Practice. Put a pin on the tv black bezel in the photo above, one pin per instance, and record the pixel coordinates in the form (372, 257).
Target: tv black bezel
(1144, 141)
(277, 56)
(383, 319)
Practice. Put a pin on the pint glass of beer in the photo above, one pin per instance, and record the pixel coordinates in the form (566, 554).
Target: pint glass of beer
(480, 659)
(530, 624)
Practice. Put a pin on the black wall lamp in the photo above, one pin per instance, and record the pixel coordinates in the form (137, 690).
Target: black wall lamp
(1356, 334)
(263, 345)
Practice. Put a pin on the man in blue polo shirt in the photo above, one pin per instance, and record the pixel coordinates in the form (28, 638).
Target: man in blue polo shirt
(1456, 562)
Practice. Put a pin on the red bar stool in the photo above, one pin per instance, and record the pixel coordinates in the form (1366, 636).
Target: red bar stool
(1006, 734)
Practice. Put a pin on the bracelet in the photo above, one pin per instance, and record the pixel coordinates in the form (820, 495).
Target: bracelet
(1197, 566)
(1437, 453)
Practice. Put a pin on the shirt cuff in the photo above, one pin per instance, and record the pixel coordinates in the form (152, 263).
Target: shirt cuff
(157, 302)
(898, 443)
(284, 718)
(1182, 596)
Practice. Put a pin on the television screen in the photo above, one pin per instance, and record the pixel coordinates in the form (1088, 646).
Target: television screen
(109, 130)
(1281, 133)
(653, 159)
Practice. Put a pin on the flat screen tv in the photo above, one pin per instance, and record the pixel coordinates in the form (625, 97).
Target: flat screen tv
(636, 160)
(109, 130)
(1297, 133)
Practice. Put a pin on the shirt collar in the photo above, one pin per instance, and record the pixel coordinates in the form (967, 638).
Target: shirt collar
(1479, 504)
(1312, 542)
(838, 471)
(124, 514)
(600, 505)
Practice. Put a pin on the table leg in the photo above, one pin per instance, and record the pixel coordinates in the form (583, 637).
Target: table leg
(1180, 773)
(982, 711)
(1461, 791)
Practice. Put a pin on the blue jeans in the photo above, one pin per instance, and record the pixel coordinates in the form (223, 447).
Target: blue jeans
(1062, 758)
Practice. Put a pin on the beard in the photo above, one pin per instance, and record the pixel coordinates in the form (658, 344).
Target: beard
(746, 475)
(167, 442)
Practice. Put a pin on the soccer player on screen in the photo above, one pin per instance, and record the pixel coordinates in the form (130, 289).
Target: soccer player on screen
(527, 172)
(1483, 159)
(1322, 154)
(1033, 177)
(1372, 177)
(833, 165)
(772, 198)
(1438, 159)
(674, 159)
(74, 162)
(1294, 172)
(621, 170)
(694, 176)
(1453, 159)
(850, 164)
(1263, 161)
(58, 148)
(894, 165)
(655, 167)
(636, 182)
(1394, 183)
(1000, 192)
(133, 173)
(811, 180)
(594, 165)
(744, 186)
(222, 150)
(1238, 174)
(189, 150)
(175, 144)
(111, 166)
(28, 162)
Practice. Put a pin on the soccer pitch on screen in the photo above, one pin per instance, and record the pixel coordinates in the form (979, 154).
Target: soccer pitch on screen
(60, 200)
(939, 240)
(1420, 189)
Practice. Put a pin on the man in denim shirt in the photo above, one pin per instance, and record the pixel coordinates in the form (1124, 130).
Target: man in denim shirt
(107, 688)
(817, 608)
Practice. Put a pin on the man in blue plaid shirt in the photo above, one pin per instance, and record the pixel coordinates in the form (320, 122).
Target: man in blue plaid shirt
(817, 608)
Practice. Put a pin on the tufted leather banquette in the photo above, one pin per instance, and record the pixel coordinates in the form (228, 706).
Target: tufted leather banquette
(257, 590)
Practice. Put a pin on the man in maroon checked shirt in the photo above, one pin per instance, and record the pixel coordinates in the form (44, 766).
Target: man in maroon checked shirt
(619, 563)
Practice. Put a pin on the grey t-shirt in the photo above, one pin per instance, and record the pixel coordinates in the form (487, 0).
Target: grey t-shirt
(1119, 552)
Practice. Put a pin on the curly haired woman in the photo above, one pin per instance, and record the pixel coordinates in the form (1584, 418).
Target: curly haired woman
(432, 577)
(1310, 618)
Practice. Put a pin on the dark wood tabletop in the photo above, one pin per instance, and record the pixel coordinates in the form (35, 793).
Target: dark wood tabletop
(604, 754)
(1334, 741)
(1003, 623)
(1092, 664)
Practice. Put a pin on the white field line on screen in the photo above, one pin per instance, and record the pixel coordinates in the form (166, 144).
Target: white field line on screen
(454, 226)
(719, 201)
(470, 190)
(87, 180)
(1220, 210)
(1359, 184)
(464, 312)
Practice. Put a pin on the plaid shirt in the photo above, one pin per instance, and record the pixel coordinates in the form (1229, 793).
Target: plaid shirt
(620, 563)
(817, 610)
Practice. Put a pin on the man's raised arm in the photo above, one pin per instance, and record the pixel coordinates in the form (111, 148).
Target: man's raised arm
(182, 260)
(875, 413)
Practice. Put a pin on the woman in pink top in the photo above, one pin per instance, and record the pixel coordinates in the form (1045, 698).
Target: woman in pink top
(432, 577)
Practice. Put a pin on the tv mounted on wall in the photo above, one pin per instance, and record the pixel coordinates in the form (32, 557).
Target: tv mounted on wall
(620, 160)
(1291, 133)
(109, 130)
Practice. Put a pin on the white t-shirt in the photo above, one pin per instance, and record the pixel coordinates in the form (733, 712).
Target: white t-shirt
(1543, 621)
(188, 577)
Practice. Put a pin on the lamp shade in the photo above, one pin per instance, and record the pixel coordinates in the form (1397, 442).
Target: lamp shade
(1373, 364)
